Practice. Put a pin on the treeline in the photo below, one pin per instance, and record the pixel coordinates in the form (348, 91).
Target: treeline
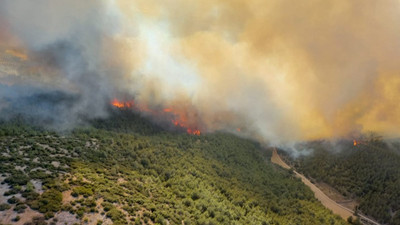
(368, 172)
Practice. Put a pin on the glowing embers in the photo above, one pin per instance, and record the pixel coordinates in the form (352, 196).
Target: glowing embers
(121, 104)
(182, 123)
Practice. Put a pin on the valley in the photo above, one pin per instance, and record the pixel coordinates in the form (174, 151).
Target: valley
(337, 208)
(366, 172)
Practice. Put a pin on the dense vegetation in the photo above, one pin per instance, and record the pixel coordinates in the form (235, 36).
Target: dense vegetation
(136, 173)
(368, 172)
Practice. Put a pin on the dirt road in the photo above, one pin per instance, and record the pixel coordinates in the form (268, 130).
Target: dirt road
(321, 196)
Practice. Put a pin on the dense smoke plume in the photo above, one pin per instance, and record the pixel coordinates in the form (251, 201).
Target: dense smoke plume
(277, 70)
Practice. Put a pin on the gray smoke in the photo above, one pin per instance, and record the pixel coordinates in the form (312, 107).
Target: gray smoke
(63, 41)
(278, 71)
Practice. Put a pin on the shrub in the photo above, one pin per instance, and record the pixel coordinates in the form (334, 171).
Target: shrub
(10, 192)
(38, 220)
(4, 207)
(20, 208)
(17, 218)
(107, 206)
(80, 212)
(13, 200)
(50, 201)
(29, 187)
(17, 179)
(195, 196)
(115, 215)
(48, 215)
(86, 192)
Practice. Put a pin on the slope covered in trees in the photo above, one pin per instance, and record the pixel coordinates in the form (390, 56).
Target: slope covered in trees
(368, 172)
(126, 172)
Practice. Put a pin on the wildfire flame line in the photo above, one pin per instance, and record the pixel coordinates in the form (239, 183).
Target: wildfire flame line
(120, 104)
(179, 119)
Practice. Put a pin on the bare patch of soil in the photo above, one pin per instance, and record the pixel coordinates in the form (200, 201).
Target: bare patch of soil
(66, 218)
(3, 188)
(67, 197)
(336, 196)
(7, 216)
(38, 186)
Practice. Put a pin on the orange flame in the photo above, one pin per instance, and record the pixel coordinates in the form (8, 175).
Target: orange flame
(120, 104)
(189, 130)
(194, 132)
(355, 143)
(180, 120)
(167, 110)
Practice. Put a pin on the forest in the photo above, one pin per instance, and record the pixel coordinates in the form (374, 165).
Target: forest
(366, 169)
(126, 170)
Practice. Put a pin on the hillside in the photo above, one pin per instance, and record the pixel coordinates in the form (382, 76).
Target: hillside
(368, 172)
(134, 172)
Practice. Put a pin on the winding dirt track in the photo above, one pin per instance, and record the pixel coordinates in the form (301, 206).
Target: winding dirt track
(321, 196)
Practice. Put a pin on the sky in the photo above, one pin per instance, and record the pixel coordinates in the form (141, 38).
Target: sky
(281, 71)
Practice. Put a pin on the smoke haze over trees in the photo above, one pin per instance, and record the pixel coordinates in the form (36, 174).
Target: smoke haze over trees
(278, 70)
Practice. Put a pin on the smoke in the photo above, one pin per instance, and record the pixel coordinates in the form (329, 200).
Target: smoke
(280, 71)
(63, 41)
